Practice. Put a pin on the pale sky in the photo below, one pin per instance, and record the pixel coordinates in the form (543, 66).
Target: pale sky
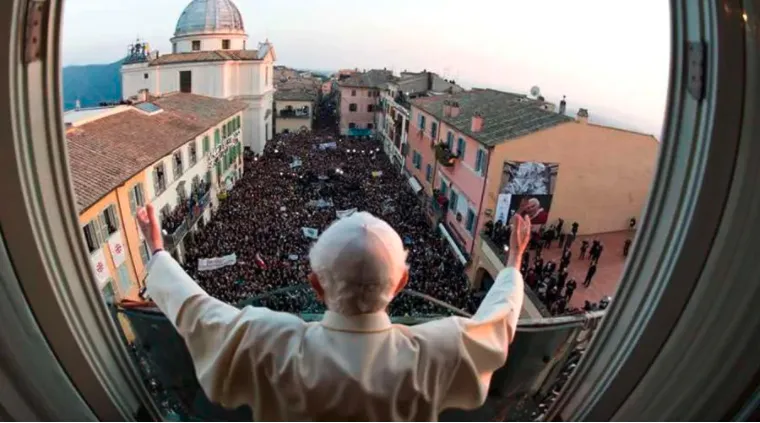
(609, 56)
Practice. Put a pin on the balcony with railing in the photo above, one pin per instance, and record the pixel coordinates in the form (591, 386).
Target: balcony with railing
(541, 359)
(301, 113)
(185, 215)
(444, 155)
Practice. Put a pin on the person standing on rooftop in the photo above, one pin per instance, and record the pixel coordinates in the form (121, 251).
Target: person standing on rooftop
(354, 364)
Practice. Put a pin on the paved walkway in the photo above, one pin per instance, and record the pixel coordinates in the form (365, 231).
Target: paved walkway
(608, 270)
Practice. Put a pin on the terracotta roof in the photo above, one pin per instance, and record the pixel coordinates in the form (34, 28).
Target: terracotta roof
(506, 115)
(106, 152)
(206, 56)
(295, 95)
(374, 78)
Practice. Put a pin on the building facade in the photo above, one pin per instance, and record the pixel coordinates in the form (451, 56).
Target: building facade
(478, 153)
(294, 110)
(393, 126)
(211, 58)
(358, 101)
(181, 153)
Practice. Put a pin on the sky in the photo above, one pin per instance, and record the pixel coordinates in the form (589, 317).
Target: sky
(611, 57)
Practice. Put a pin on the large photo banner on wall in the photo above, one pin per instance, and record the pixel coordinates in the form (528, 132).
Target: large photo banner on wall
(527, 186)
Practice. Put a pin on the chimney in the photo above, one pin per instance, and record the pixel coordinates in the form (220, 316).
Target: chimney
(143, 95)
(562, 106)
(477, 122)
(455, 109)
(582, 116)
(77, 105)
(447, 108)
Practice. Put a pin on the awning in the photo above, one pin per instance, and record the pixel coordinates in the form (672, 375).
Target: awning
(453, 243)
(415, 184)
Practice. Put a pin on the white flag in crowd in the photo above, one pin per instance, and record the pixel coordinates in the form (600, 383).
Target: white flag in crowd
(345, 213)
(310, 233)
(206, 264)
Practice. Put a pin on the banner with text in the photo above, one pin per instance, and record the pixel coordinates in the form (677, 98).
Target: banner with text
(207, 264)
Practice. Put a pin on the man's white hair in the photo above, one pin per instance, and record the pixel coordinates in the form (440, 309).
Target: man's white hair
(359, 260)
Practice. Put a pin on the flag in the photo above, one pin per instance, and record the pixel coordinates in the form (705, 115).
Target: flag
(310, 233)
(260, 262)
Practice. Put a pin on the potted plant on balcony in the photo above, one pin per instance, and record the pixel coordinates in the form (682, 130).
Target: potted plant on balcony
(444, 155)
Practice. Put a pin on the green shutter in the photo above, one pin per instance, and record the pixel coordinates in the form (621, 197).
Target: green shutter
(132, 200)
(217, 141)
(205, 145)
(140, 195)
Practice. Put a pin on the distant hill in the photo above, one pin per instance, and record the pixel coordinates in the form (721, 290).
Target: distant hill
(91, 84)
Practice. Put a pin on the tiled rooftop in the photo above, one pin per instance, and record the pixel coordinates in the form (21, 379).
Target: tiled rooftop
(206, 56)
(106, 152)
(296, 94)
(505, 115)
(374, 78)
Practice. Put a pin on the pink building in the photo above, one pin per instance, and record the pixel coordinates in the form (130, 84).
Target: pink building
(463, 147)
(359, 96)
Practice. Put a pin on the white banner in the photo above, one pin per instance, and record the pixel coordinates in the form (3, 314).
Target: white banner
(502, 208)
(328, 146)
(118, 249)
(99, 265)
(377, 173)
(345, 213)
(216, 262)
(310, 233)
(321, 203)
(296, 163)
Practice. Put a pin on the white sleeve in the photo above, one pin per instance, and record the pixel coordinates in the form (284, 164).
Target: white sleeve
(484, 341)
(220, 338)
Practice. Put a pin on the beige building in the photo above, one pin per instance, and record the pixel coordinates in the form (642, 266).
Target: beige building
(294, 110)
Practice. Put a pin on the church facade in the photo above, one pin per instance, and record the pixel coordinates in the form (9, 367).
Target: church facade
(210, 57)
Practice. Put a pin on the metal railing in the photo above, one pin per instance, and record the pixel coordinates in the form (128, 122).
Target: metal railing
(293, 114)
(171, 240)
(541, 359)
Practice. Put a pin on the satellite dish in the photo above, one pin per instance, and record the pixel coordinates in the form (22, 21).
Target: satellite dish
(535, 91)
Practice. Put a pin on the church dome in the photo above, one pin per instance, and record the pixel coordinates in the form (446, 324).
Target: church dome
(209, 17)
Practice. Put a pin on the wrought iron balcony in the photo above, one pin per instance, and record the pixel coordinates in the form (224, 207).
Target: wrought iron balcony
(444, 155)
(293, 114)
(439, 203)
(542, 357)
(171, 240)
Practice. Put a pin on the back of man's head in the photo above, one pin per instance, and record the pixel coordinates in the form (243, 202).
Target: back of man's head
(359, 261)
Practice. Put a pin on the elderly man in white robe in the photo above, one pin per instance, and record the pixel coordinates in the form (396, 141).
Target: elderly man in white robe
(354, 364)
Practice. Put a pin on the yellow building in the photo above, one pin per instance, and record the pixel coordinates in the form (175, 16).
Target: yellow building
(113, 154)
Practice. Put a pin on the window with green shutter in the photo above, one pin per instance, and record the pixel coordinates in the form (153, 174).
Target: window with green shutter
(206, 145)
(217, 140)
(219, 172)
(108, 293)
(144, 253)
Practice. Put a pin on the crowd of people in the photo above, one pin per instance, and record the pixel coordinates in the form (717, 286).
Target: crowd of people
(173, 219)
(298, 184)
(548, 279)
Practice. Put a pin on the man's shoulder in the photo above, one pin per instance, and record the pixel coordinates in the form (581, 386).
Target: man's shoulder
(438, 331)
